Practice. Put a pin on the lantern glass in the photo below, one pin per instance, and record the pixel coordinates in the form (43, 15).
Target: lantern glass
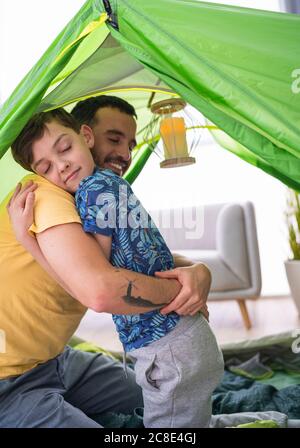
(172, 131)
(176, 129)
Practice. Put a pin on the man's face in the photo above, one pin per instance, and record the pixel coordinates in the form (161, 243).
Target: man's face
(114, 134)
(62, 156)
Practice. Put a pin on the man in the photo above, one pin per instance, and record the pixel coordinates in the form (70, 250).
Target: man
(114, 127)
(41, 384)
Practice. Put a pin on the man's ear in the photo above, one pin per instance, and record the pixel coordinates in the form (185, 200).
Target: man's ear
(88, 135)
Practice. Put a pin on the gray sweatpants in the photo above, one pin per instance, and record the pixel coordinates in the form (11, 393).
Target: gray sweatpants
(73, 390)
(178, 374)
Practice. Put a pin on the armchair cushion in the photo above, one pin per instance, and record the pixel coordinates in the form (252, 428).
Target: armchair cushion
(224, 238)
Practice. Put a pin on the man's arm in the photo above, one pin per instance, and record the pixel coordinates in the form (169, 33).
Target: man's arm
(105, 243)
(180, 261)
(195, 280)
(78, 260)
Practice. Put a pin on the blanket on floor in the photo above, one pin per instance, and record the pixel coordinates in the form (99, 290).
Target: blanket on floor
(239, 394)
(236, 393)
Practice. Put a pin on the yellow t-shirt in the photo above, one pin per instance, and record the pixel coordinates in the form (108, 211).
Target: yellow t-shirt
(37, 317)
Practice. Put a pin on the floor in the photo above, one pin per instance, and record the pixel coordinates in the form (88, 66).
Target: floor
(269, 315)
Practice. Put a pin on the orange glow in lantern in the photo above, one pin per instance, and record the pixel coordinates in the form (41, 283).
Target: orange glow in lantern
(172, 130)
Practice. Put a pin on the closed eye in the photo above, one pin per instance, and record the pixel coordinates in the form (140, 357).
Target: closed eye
(47, 170)
(66, 149)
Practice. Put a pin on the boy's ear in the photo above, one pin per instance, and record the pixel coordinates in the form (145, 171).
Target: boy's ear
(88, 135)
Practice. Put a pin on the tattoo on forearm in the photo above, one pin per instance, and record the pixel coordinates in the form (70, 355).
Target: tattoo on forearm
(139, 301)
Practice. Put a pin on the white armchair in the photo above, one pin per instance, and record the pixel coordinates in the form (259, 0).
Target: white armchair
(224, 237)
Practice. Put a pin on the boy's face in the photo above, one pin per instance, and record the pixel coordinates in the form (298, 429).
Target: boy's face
(62, 156)
(114, 134)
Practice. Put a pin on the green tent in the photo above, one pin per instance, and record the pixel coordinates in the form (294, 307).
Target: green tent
(239, 67)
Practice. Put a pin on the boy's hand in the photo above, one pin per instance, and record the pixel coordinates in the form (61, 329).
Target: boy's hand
(196, 282)
(20, 210)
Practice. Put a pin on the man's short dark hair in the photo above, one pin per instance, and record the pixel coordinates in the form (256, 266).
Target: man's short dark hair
(34, 130)
(85, 110)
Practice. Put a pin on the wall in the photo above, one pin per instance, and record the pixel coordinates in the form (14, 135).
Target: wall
(27, 28)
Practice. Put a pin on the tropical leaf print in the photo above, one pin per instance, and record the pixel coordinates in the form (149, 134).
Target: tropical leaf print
(138, 247)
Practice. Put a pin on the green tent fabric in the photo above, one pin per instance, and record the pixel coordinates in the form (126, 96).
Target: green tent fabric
(235, 65)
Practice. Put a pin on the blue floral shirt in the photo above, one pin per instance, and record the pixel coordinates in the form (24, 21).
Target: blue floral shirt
(108, 206)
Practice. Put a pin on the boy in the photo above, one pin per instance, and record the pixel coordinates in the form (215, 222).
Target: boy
(177, 360)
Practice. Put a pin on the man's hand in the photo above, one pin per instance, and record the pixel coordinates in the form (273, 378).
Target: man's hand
(20, 210)
(196, 282)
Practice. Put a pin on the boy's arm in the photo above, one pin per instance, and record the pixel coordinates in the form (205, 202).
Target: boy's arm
(21, 217)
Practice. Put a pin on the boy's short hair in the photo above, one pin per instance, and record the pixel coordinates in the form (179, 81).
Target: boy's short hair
(34, 130)
(85, 110)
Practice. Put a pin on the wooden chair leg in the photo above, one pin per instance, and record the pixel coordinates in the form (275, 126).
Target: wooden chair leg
(244, 312)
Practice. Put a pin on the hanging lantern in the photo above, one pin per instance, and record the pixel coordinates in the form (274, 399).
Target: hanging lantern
(170, 123)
